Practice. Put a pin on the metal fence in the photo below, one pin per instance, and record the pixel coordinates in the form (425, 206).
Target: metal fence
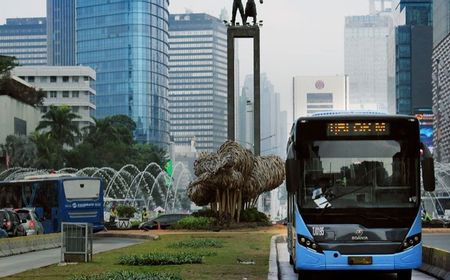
(76, 242)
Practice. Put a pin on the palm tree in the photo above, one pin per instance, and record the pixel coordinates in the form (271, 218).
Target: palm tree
(49, 153)
(61, 126)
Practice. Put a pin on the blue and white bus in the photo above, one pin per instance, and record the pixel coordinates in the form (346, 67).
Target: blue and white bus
(354, 193)
(57, 198)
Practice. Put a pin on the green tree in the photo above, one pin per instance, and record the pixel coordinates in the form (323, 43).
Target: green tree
(15, 89)
(20, 150)
(61, 126)
(7, 63)
(49, 152)
(110, 143)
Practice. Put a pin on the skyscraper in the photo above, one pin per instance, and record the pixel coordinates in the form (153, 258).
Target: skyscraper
(198, 80)
(441, 81)
(61, 19)
(365, 60)
(126, 42)
(25, 39)
(414, 46)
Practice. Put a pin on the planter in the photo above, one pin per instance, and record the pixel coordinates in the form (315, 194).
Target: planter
(123, 223)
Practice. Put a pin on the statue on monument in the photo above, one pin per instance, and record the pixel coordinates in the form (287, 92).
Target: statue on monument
(250, 11)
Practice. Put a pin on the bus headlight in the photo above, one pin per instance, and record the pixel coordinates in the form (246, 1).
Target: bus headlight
(308, 243)
(411, 241)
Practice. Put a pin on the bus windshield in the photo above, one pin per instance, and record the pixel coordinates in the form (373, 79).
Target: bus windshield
(358, 174)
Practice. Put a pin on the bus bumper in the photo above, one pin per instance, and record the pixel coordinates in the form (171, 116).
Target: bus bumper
(307, 259)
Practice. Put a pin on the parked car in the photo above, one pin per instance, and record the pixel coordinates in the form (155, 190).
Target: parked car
(30, 221)
(10, 222)
(164, 221)
(3, 233)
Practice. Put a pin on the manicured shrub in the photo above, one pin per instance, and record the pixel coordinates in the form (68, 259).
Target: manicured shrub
(161, 259)
(252, 215)
(194, 223)
(205, 213)
(128, 275)
(125, 211)
(198, 243)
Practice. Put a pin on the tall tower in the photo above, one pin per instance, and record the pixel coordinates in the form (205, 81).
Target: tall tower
(25, 39)
(127, 43)
(61, 19)
(198, 79)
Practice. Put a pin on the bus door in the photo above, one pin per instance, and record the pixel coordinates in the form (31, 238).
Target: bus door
(46, 204)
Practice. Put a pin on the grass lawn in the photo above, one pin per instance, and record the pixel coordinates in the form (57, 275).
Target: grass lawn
(251, 244)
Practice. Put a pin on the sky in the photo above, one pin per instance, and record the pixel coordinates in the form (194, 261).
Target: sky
(299, 37)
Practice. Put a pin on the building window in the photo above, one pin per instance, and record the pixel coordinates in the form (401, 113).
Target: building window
(31, 79)
(86, 78)
(20, 127)
(43, 79)
(65, 79)
(43, 109)
(53, 94)
(75, 109)
(65, 94)
(75, 79)
(75, 94)
(53, 79)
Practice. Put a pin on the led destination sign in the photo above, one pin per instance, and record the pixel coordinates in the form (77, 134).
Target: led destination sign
(357, 129)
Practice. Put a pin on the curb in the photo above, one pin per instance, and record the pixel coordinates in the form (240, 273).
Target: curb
(273, 259)
(21, 245)
(436, 262)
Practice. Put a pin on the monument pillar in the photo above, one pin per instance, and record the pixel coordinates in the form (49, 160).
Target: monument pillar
(253, 32)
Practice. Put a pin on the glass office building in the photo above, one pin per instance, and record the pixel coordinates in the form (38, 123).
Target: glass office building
(441, 20)
(365, 49)
(126, 42)
(198, 81)
(25, 39)
(414, 47)
(61, 32)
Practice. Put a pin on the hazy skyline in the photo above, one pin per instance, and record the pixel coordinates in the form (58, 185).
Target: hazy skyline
(299, 37)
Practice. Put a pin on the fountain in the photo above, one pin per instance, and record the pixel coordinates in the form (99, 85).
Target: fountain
(149, 188)
(437, 203)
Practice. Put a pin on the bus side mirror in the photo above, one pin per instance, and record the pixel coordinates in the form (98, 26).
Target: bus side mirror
(429, 181)
(293, 178)
(428, 177)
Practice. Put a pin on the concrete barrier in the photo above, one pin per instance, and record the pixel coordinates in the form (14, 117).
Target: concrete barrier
(20, 245)
(436, 262)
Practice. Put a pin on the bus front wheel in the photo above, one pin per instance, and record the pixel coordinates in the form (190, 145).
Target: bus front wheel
(404, 274)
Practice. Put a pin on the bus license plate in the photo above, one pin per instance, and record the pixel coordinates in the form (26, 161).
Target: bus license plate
(359, 260)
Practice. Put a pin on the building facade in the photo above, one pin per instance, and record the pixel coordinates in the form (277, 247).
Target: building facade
(314, 94)
(61, 15)
(365, 56)
(198, 80)
(16, 118)
(414, 46)
(441, 84)
(127, 43)
(25, 39)
(441, 20)
(64, 85)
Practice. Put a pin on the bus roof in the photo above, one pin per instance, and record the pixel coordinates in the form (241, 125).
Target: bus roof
(353, 116)
(49, 177)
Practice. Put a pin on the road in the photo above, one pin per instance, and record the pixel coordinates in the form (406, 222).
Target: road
(287, 273)
(437, 240)
(20, 263)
